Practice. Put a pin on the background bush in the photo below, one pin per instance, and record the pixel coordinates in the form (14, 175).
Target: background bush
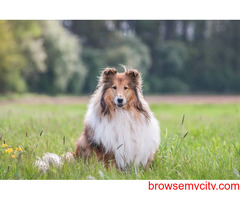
(174, 56)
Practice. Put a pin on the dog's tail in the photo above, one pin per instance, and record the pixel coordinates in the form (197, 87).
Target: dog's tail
(50, 159)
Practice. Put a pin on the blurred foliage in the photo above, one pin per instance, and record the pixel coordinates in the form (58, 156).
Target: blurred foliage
(41, 56)
(174, 56)
(11, 61)
(28, 34)
(125, 50)
(94, 60)
(129, 51)
(64, 65)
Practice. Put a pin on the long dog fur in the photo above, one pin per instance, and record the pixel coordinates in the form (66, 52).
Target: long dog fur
(124, 136)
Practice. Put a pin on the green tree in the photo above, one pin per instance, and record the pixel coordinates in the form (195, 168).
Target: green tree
(28, 35)
(94, 60)
(64, 64)
(11, 61)
(93, 33)
(130, 51)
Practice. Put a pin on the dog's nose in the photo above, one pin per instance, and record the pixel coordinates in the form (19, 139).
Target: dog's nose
(119, 100)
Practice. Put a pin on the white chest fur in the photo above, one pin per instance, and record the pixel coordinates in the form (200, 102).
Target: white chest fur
(131, 140)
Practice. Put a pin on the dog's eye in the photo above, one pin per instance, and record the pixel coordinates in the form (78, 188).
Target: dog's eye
(125, 87)
(114, 87)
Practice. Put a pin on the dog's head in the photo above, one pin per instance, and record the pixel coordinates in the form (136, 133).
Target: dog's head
(120, 90)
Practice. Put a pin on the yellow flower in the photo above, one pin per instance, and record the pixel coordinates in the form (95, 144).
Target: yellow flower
(19, 149)
(4, 145)
(9, 150)
(13, 156)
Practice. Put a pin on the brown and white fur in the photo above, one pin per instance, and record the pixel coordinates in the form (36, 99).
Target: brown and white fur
(119, 125)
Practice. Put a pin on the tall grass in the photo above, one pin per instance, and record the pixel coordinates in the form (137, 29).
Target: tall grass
(197, 142)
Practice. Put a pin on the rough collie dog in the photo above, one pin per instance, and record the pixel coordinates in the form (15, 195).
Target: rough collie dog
(119, 125)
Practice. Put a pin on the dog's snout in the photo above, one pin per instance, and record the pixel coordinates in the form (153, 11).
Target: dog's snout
(120, 100)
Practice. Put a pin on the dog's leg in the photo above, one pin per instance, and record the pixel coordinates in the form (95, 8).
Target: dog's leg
(83, 148)
(150, 159)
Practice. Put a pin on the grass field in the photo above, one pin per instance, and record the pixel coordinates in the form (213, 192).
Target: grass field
(203, 145)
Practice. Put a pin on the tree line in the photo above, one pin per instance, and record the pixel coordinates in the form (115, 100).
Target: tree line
(174, 56)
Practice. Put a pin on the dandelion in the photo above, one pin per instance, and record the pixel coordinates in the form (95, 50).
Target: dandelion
(4, 145)
(13, 156)
(19, 149)
(9, 150)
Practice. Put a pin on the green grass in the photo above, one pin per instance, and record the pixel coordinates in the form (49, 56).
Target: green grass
(210, 150)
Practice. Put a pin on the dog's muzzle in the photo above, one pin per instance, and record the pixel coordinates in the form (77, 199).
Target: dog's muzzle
(120, 101)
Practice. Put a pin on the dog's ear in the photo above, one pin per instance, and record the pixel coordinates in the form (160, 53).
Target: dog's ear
(105, 81)
(109, 71)
(108, 74)
(133, 73)
(134, 76)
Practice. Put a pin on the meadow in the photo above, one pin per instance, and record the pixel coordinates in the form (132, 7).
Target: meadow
(197, 142)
